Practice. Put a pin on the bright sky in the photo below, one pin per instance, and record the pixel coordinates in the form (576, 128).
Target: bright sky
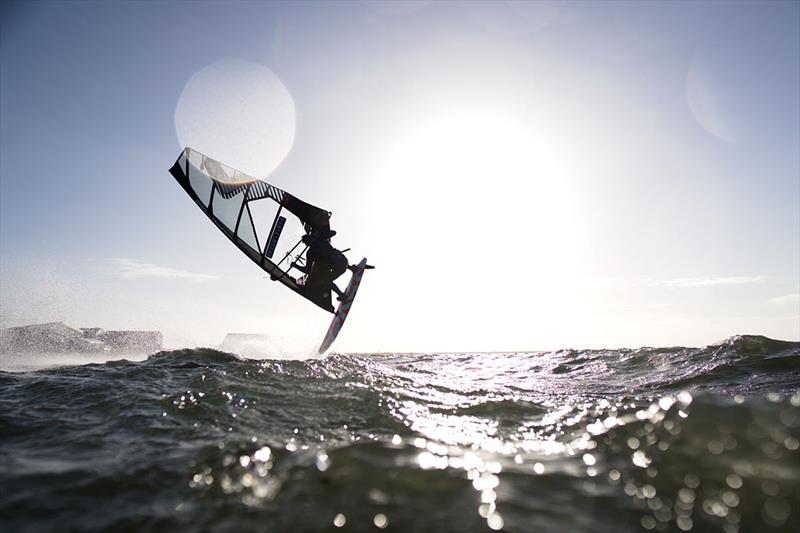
(524, 175)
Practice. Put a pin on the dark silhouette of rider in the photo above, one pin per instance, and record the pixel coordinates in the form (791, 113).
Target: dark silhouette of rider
(324, 264)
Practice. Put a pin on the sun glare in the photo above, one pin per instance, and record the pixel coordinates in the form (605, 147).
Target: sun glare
(494, 195)
(237, 112)
(486, 177)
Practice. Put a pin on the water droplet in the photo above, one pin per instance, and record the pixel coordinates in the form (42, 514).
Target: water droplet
(648, 522)
(640, 459)
(716, 508)
(488, 496)
(494, 521)
(730, 498)
(770, 488)
(686, 495)
(777, 509)
(263, 454)
(485, 508)
(666, 402)
(685, 398)
(378, 496)
(380, 520)
(730, 528)
(774, 397)
(322, 461)
(733, 481)
(715, 447)
(339, 520)
(486, 481)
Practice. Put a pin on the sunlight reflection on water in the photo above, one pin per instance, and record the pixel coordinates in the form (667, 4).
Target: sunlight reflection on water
(496, 417)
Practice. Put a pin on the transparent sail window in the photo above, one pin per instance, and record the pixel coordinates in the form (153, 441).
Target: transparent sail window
(264, 212)
(227, 209)
(246, 230)
(200, 183)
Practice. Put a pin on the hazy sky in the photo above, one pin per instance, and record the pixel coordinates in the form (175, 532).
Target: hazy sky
(525, 175)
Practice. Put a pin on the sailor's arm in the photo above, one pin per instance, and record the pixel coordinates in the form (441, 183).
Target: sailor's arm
(305, 269)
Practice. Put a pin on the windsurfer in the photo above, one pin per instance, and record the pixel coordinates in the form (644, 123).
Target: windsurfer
(324, 264)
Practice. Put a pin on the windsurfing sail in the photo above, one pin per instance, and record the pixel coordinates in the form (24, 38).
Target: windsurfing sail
(263, 221)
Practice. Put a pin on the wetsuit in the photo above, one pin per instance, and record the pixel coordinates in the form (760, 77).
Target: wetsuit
(326, 264)
(321, 251)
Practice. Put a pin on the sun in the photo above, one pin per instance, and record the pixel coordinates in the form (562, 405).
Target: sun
(481, 204)
(484, 177)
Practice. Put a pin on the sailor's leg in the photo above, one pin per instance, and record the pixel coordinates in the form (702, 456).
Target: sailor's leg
(319, 295)
(338, 291)
(325, 299)
(339, 266)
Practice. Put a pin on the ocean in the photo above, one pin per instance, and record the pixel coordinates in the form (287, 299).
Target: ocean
(662, 439)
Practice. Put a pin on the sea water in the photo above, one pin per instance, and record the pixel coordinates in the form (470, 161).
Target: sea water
(663, 439)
